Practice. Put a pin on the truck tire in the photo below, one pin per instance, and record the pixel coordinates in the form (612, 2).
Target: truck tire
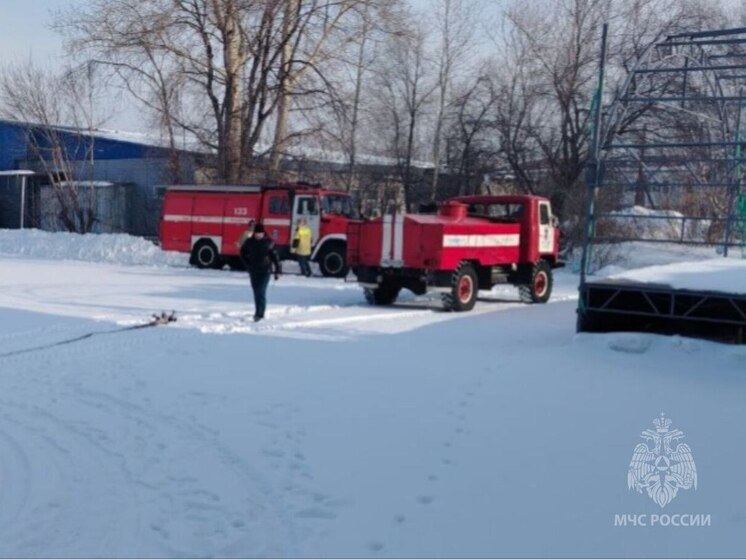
(205, 255)
(333, 261)
(540, 287)
(384, 294)
(464, 289)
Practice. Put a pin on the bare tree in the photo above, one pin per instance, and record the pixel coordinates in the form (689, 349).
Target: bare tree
(519, 107)
(407, 88)
(454, 24)
(352, 83)
(316, 42)
(360, 68)
(59, 114)
(217, 70)
(470, 146)
(551, 54)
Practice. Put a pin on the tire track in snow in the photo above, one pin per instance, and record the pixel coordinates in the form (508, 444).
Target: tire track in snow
(196, 513)
(92, 445)
(60, 490)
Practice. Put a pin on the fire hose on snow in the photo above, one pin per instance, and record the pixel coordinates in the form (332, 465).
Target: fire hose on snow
(161, 319)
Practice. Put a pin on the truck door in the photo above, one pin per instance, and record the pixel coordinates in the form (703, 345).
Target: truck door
(307, 207)
(276, 216)
(546, 229)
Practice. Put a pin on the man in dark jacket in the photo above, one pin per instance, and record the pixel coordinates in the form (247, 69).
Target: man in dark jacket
(261, 260)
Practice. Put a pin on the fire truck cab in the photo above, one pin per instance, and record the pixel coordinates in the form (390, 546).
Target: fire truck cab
(473, 243)
(207, 221)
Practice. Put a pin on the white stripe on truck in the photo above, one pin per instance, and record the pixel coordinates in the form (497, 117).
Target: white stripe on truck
(399, 239)
(481, 241)
(386, 240)
(174, 218)
(392, 242)
(205, 219)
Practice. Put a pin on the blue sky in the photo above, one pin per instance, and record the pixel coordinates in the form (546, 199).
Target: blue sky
(24, 29)
(25, 32)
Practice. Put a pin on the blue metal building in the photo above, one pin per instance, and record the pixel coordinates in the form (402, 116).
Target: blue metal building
(140, 166)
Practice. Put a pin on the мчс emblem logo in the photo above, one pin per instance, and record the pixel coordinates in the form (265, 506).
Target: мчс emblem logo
(662, 470)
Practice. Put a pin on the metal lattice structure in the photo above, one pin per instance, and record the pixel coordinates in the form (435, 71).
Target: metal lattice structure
(667, 167)
(668, 152)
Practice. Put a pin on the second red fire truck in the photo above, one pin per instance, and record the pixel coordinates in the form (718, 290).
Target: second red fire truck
(474, 243)
(207, 221)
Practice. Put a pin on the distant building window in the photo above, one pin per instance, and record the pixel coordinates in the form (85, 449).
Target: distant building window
(278, 205)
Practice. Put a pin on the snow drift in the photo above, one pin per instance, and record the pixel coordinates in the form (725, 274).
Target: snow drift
(109, 248)
(659, 225)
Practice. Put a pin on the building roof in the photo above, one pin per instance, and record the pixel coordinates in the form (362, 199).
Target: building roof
(119, 144)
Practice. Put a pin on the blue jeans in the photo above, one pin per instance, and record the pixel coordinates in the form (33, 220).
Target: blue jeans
(305, 267)
(259, 284)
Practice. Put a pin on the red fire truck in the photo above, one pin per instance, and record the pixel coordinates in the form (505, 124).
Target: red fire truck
(206, 221)
(473, 243)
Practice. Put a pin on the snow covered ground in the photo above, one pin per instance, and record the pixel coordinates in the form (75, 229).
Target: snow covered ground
(337, 429)
(720, 274)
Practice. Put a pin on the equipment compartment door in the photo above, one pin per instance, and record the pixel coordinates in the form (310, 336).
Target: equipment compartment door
(546, 230)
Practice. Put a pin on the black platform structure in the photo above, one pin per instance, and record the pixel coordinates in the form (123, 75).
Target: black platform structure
(670, 146)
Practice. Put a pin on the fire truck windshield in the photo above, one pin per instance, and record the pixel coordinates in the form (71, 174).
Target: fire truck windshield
(337, 204)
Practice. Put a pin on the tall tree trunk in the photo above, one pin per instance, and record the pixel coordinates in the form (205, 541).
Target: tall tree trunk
(356, 103)
(444, 76)
(286, 87)
(232, 100)
(408, 164)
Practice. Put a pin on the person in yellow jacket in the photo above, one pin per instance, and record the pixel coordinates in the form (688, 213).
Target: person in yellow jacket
(301, 247)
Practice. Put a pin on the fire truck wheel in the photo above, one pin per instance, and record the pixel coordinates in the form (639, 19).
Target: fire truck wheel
(464, 289)
(382, 295)
(540, 288)
(205, 255)
(332, 262)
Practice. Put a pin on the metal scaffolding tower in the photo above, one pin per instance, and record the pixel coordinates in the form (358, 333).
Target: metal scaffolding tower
(671, 144)
(666, 167)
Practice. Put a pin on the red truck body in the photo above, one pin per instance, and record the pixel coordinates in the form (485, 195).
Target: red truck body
(473, 243)
(207, 221)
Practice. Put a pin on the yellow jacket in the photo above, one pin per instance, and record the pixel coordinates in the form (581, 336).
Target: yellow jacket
(303, 240)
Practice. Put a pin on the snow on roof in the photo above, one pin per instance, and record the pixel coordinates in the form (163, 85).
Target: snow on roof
(340, 158)
(89, 184)
(192, 144)
(20, 173)
(148, 139)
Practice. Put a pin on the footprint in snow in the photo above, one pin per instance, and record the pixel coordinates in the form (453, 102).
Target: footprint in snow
(375, 546)
(316, 513)
(273, 452)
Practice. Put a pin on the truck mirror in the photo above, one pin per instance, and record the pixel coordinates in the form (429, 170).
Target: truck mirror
(555, 221)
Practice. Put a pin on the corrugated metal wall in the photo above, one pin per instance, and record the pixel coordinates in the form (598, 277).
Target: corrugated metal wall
(10, 202)
(142, 168)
